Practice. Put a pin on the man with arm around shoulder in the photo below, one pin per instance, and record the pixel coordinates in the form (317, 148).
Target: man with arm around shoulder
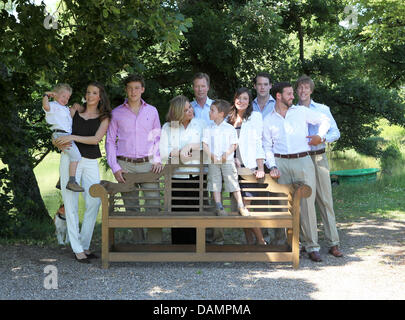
(286, 145)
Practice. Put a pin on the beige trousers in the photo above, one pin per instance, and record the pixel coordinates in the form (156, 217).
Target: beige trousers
(154, 235)
(302, 170)
(324, 199)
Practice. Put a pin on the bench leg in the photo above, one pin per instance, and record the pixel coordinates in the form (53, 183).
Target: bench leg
(295, 247)
(105, 246)
(200, 243)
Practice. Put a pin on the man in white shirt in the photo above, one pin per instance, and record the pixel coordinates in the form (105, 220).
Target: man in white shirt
(305, 86)
(264, 102)
(287, 144)
(201, 103)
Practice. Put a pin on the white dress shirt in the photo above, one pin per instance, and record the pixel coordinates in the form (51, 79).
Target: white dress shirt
(250, 140)
(203, 112)
(219, 139)
(333, 133)
(289, 135)
(176, 136)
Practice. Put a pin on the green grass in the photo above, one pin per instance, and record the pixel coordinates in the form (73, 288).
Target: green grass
(383, 198)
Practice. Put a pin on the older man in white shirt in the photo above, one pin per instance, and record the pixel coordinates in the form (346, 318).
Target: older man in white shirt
(286, 143)
(202, 103)
(305, 86)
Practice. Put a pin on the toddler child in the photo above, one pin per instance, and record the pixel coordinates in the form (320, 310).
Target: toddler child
(220, 141)
(59, 116)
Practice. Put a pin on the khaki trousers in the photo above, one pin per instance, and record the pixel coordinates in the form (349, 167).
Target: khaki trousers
(302, 170)
(154, 235)
(324, 199)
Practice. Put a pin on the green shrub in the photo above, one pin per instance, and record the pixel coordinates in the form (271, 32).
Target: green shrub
(391, 159)
(371, 147)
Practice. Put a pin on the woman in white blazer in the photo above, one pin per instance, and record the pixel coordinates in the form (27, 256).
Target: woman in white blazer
(250, 153)
(180, 139)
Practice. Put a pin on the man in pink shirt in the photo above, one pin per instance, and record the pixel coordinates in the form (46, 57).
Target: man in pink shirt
(132, 145)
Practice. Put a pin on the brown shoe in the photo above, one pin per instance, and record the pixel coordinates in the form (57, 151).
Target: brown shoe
(334, 251)
(73, 186)
(315, 256)
(244, 212)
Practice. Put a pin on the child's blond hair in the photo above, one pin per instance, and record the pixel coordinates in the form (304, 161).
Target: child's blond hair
(62, 86)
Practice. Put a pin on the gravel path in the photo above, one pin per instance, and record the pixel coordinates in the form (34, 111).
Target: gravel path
(373, 268)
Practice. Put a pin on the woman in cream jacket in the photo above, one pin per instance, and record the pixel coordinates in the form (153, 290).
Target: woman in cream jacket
(250, 153)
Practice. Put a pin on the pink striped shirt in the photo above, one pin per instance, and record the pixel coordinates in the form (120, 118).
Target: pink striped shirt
(133, 136)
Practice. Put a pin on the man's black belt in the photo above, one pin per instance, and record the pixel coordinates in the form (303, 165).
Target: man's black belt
(134, 160)
(313, 153)
(292, 156)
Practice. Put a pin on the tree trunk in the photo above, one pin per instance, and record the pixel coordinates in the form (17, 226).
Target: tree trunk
(27, 197)
(301, 40)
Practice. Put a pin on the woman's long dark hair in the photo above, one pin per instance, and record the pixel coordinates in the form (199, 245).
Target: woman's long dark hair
(104, 105)
(232, 115)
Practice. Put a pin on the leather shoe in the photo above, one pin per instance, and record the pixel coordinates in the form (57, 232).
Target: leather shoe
(315, 256)
(91, 256)
(334, 251)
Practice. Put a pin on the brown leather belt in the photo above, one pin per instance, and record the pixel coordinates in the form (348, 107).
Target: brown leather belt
(313, 153)
(292, 156)
(132, 160)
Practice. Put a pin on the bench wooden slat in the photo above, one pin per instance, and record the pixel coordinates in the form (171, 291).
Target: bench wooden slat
(278, 220)
(268, 206)
(200, 257)
(127, 247)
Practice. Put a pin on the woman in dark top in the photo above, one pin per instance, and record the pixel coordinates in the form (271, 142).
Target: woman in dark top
(88, 129)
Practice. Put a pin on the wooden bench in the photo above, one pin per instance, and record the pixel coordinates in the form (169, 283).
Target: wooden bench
(281, 210)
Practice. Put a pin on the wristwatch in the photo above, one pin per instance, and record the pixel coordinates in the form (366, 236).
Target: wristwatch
(273, 167)
(45, 95)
